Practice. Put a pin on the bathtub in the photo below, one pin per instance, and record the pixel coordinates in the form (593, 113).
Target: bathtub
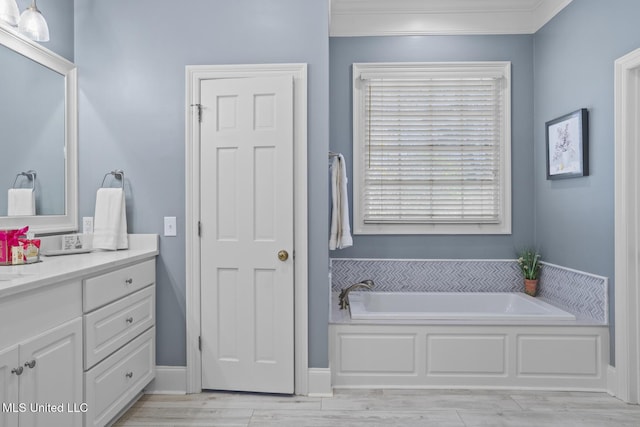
(452, 305)
(464, 340)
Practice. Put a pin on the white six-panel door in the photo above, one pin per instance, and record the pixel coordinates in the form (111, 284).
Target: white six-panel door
(247, 234)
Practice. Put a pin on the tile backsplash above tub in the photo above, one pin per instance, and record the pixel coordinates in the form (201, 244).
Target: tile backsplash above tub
(576, 291)
(580, 293)
(428, 275)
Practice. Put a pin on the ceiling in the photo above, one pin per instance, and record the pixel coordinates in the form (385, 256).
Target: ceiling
(440, 17)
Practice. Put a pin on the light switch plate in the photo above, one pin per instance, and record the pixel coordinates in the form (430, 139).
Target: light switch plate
(170, 226)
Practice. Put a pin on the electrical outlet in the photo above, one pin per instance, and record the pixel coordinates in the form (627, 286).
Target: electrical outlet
(170, 226)
(87, 224)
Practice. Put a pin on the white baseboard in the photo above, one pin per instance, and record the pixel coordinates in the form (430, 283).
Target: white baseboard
(173, 380)
(320, 382)
(612, 380)
(169, 380)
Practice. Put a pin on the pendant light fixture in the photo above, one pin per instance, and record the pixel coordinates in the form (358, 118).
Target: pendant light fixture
(33, 25)
(9, 12)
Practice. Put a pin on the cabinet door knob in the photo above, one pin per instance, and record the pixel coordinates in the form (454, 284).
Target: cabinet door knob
(129, 374)
(129, 319)
(31, 364)
(128, 281)
(18, 370)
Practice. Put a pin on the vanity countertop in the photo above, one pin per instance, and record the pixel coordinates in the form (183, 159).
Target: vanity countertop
(55, 269)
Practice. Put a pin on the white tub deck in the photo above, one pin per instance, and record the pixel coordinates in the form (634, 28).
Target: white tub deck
(479, 347)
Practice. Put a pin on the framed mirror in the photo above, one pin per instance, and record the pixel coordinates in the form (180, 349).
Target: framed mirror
(38, 136)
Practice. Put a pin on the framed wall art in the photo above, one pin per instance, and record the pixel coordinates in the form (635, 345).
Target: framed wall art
(568, 145)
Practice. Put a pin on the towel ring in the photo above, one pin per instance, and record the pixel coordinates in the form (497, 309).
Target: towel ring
(30, 174)
(118, 174)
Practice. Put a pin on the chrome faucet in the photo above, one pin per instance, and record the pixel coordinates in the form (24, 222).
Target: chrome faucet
(344, 294)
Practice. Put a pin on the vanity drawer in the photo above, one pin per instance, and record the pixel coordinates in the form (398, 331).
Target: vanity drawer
(103, 289)
(112, 326)
(110, 385)
(33, 312)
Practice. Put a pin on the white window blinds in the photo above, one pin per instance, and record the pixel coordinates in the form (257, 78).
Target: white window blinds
(432, 149)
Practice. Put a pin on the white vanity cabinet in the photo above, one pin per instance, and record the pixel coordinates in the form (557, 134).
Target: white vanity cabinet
(77, 336)
(41, 357)
(119, 337)
(41, 383)
(9, 362)
(51, 378)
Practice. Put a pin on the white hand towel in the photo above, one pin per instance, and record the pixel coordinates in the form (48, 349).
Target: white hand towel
(21, 202)
(340, 230)
(110, 220)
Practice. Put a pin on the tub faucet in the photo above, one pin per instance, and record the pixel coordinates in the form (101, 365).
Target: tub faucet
(344, 294)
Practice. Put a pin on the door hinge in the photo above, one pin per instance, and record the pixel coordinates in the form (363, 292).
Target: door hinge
(200, 343)
(199, 229)
(199, 111)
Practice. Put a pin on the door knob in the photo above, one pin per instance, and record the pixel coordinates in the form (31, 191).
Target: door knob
(283, 255)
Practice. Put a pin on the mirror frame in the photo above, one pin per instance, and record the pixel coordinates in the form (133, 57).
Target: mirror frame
(69, 221)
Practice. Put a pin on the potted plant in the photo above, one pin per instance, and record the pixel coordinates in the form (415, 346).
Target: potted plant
(529, 262)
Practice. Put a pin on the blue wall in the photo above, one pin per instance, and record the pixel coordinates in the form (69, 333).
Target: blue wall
(574, 68)
(131, 58)
(132, 117)
(565, 66)
(518, 50)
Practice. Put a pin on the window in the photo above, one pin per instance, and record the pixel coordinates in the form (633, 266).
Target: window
(432, 148)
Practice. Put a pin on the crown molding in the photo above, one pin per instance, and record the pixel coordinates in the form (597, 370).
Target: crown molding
(546, 10)
(440, 17)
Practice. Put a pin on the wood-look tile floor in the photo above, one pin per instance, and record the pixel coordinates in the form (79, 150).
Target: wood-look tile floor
(403, 408)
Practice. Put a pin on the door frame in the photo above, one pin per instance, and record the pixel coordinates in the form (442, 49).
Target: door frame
(194, 75)
(627, 233)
